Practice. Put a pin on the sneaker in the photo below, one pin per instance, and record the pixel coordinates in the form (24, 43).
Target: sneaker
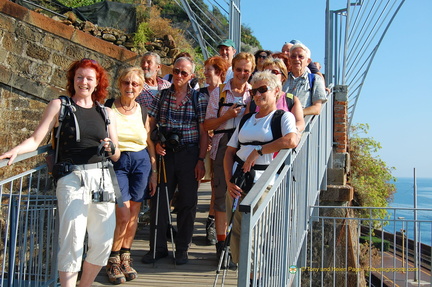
(181, 257)
(219, 248)
(211, 231)
(125, 266)
(148, 257)
(115, 275)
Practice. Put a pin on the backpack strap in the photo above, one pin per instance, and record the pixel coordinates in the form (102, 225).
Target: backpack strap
(222, 97)
(289, 100)
(103, 111)
(311, 78)
(66, 107)
(252, 106)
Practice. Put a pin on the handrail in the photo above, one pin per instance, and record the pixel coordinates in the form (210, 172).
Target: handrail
(275, 219)
(21, 157)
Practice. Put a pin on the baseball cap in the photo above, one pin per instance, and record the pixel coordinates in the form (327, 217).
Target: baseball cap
(227, 42)
(295, 42)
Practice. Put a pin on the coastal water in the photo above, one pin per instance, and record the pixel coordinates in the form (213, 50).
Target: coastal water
(403, 216)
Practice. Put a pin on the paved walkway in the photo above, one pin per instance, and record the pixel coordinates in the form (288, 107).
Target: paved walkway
(201, 269)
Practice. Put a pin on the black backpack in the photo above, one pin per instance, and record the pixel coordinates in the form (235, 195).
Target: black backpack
(276, 126)
(66, 108)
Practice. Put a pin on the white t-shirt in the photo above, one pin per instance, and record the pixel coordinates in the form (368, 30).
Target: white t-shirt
(259, 130)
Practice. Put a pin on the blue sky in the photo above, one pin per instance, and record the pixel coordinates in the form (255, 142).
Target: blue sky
(394, 97)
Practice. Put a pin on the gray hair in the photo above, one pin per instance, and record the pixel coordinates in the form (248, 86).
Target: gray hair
(266, 76)
(301, 46)
(154, 55)
(187, 59)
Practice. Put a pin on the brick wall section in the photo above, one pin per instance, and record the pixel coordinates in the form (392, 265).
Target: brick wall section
(341, 121)
(35, 52)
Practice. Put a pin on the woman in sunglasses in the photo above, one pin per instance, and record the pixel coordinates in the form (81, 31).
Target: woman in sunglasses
(135, 170)
(83, 173)
(225, 108)
(252, 146)
(286, 102)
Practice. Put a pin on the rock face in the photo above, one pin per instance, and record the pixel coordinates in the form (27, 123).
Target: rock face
(165, 47)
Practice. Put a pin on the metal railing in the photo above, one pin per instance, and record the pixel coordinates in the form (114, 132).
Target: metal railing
(346, 249)
(28, 230)
(273, 232)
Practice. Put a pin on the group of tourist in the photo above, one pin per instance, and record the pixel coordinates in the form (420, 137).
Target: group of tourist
(152, 140)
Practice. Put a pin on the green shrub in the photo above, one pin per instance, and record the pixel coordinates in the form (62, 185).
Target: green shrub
(377, 242)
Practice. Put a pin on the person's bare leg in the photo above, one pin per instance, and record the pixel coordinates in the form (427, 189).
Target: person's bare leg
(68, 279)
(220, 222)
(123, 215)
(132, 225)
(90, 271)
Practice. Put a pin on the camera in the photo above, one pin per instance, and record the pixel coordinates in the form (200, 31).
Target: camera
(240, 103)
(101, 195)
(171, 138)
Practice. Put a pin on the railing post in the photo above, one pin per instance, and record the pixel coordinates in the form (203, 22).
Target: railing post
(13, 238)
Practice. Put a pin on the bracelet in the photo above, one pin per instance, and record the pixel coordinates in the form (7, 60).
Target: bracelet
(201, 158)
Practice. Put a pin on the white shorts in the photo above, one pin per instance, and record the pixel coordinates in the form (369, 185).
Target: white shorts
(78, 214)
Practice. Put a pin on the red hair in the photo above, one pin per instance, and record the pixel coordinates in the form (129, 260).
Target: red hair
(284, 58)
(219, 64)
(101, 92)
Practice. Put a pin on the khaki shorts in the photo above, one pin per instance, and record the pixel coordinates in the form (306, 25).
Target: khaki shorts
(78, 214)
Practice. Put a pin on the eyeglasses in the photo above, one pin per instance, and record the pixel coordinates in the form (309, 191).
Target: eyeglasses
(134, 84)
(261, 90)
(276, 72)
(262, 56)
(177, 71)
(301, 57)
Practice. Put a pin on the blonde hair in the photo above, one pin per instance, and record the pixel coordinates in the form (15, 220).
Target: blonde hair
(244, 56)
(128, 71)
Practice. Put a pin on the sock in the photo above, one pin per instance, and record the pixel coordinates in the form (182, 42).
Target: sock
(125, 250)
(114, 253)
(221, 237)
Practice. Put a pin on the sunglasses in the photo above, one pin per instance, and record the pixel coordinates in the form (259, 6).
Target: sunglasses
(261, 90)
(177, 71)
(127, 83)
(276, 72)
(262, 56)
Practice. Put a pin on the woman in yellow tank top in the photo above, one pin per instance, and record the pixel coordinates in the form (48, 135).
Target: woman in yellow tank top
(135, 170)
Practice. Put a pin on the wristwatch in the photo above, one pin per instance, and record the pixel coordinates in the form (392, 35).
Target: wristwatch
(259, 150)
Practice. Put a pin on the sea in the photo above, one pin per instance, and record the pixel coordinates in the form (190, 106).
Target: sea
(401, 218)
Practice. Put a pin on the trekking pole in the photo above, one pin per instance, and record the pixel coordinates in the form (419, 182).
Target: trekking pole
(170, 226)
(157, 210)
(224, 254)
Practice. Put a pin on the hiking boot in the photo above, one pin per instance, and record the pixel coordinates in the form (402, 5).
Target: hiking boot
(219, 249)
(125, 266)
(148, 257)
(211, 231)
(115, 275)
(181, 257)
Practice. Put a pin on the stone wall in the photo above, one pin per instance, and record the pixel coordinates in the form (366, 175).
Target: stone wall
(35, 52)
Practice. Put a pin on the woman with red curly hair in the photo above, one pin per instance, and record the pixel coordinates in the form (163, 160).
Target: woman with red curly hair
(81, 172)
